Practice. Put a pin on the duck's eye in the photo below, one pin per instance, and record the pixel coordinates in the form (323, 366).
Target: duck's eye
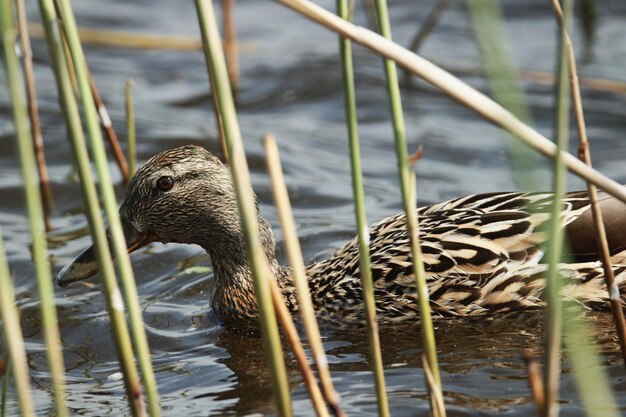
(165, 183)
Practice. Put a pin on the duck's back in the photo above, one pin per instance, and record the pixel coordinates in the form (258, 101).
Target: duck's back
(482, 254)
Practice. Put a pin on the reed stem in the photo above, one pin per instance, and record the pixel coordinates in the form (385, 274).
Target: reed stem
(34, 207)
(535, 379)
(10, 316)
(594, 387)
(409, 201)
(345, 51)
(117, 239)
(33, 112)
(112, 294)
(131, 140)
(294, 253)
(585, 156)
(107, 126)
(291, 334)
(555, 241)
(249, 221)
(454, 88)
(490, 34)
(230, 43)
(437, 404)
(429, 24)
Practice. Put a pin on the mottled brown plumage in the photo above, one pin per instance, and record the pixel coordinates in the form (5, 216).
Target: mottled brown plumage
(482, 253)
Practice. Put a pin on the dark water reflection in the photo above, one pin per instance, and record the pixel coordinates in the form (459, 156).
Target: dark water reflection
(290, 85)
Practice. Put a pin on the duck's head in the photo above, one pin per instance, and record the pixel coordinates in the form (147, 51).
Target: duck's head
(182, 195)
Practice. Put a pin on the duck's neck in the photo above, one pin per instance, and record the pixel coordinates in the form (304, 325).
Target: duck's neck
(234, 296)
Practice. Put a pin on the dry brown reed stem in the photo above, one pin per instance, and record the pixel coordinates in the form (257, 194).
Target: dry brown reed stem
(429, 24)
(103, 114)
(121, 39)
(455, 89)
(107, 126)
(35, 128)
(436, 397)
(230, 43)
(4, 361)
(294, 253)
(584, 155)
(535, 379)
(291, 334)
(542, 77)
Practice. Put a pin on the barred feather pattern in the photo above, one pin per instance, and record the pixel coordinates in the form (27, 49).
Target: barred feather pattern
(482, 254)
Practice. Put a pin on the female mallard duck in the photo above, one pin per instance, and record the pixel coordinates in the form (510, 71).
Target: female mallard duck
(482, 253)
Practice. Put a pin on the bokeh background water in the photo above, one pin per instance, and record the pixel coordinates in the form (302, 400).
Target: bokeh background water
(290, 85)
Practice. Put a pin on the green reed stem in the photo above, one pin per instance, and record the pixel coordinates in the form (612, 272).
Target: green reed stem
(487, 23)
(11, 319)
(455, 89)
(594, 387)
(555, 242)
(584, 155)
(294, 253)
(35, 211)
(79, 149)
(345, 51)
(249, 221)
(116, 237)
(130, 128)
(409, 200)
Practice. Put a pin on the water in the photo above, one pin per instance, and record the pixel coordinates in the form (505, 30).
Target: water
(290, 85)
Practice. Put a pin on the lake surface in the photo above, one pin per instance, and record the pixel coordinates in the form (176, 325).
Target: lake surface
(291, 86)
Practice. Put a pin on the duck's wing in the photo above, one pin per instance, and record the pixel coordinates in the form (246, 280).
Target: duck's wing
(576, 217)
(480, 252)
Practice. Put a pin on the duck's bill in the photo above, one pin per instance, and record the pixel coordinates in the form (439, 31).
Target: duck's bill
(85, 265)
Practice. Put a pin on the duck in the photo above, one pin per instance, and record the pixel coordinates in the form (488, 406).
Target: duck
(483, 253)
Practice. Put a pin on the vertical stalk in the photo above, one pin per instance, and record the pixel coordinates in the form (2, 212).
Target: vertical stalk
(535, 380)
(429, 24)
(409, 201)
(79, 149)
(294, 253)
(11, 324)
(117, 238)
(345, 50)
(35, 215)
(230, 43)
(35, 128)
(584, 155)
(249, 221)
(594, 387)
(555, 242)
(490, 34)
(131, 141)
(291, 335)
(107, 126)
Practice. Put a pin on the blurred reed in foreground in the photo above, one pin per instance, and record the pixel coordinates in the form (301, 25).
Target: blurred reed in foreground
(593, 382)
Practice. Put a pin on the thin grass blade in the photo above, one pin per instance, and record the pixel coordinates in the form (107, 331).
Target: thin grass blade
(14, 338)
(260, 268)
(35, 213)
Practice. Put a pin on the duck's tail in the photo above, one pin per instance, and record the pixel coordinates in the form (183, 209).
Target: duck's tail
(585, 283)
